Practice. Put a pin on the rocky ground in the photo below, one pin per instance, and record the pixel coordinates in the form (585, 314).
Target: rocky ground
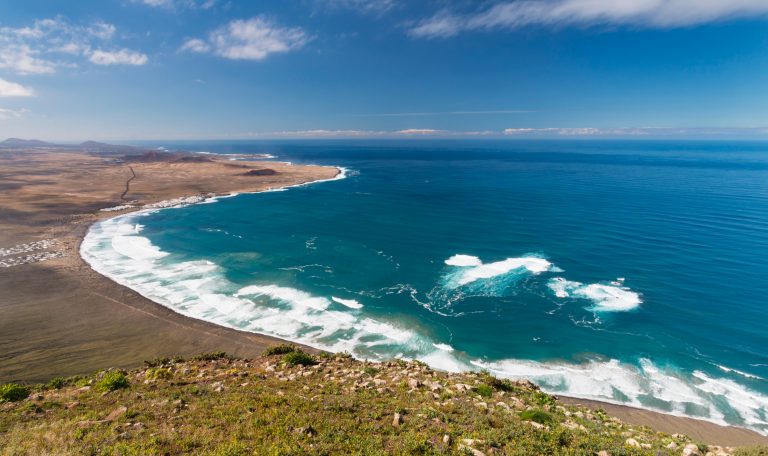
(289, 402)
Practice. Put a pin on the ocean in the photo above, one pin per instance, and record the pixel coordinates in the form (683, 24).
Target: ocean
(631, 272)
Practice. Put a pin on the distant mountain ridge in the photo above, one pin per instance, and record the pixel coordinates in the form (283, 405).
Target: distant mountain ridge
(94, 147)
(18, 142)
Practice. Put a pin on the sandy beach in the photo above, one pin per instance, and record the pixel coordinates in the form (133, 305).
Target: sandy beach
(61, 318)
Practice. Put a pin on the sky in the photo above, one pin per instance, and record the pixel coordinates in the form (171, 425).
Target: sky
(227, 69)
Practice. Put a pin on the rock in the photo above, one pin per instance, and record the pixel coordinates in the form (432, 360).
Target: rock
(397, 420)
(414, 383)
(434, 386)
(691, 450)
(71, 405)
(503, 405)
(517, 404)
(472, 451)
(632, 442)
(603, 453)
(535, 424)
(472, 442)
(672, 446)
(460, 387)
(178, 405)
(306, 430)
(447, 439)
(573, 425)
(116, 413)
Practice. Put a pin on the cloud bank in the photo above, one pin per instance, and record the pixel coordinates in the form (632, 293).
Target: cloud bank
(249, 39)
(643, 13)
(12, 89)
(49, 44)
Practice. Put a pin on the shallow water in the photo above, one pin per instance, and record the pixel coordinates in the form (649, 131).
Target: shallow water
(629, 272)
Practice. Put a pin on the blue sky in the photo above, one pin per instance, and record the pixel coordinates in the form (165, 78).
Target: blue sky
(218, 69)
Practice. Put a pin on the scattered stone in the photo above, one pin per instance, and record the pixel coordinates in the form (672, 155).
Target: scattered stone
(397, 420)
(691, 450)
(632, 442)
(306, 430)
(447, 439)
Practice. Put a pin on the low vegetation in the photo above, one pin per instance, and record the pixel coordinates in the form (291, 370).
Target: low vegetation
(12, 392)
(290, 402)
(111, 381)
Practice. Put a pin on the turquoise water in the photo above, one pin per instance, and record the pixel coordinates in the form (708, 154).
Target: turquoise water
(629, 272)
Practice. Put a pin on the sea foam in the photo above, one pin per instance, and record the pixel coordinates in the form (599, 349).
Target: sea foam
(605, 298)
(477, 270)
(351, 303)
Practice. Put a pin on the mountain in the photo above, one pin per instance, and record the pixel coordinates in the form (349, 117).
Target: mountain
(17, 142)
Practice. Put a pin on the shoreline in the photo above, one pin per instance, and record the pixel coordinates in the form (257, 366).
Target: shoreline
(697, 428)
(191, 335)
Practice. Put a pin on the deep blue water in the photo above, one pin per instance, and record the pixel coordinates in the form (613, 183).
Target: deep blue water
(556, 225)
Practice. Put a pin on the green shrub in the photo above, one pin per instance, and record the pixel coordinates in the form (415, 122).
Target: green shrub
(56, 383)
(212, 356)
(544, 398)
(369, 370)
(11, 392)
(539, 416)
(499, 384)
(158, 362)
(158, 373)
(298, 357)
(483, 390)
(112, 380)
(282, 349)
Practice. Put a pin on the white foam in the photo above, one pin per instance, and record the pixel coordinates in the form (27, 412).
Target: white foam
(136, 247)
(620, 383)
(751, 406)
(463, 260)
(290, 295)
(742, 373)
(605, 298)
(443, 347)
(478, 270)
(351, 303)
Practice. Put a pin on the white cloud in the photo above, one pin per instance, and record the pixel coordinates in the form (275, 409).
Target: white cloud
(418, 131)
(646, 13)
(251, 39)
(12, 113)
(363, 6)
(180, 4)
(52, 43)
(195, 45)
(102, 30)
(12, 89)
(22, 59)
(447, 113)
(121, 57)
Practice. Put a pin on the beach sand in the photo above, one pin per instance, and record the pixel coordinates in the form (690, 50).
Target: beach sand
(61, 318)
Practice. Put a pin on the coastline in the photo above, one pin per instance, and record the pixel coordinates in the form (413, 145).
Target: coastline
(63, 318)
(133, 326)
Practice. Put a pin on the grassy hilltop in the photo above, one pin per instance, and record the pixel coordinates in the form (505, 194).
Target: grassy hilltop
(290, 402)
